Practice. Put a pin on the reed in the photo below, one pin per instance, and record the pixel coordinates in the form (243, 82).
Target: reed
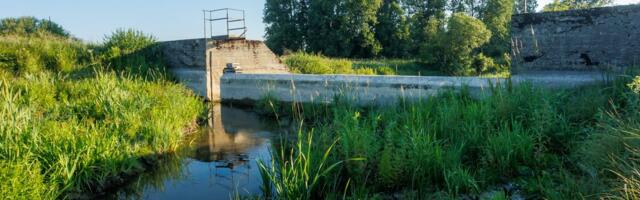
(555, 144)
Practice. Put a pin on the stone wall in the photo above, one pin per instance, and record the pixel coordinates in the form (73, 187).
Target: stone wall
(590, 39)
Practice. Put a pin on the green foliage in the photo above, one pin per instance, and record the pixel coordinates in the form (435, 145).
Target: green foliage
(23, 55)
(131, 51)
(284, 21)
(296, 173)
(464, 35)
(392, 30)
(396, 29)
(497, 19)
(562, 5)
(555, 144)
(25, 26)
(316, 64)
(78, 133)
(66, 132)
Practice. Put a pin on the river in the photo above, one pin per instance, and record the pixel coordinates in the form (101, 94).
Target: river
(218, 162)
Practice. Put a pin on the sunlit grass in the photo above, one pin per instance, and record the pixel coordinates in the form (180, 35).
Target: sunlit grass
(72, 126)
(556, 144)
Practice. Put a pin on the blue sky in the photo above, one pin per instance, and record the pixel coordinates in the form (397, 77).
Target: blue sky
(91, 20)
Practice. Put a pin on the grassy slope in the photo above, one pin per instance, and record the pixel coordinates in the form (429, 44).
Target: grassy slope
(573, 144)
(69, 126)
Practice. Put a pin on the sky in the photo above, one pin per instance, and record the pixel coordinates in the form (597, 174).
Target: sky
(92, 20)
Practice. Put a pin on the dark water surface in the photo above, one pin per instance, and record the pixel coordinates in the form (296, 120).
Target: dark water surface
(219, 163)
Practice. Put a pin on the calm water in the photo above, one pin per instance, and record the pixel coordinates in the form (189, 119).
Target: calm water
(221, 161)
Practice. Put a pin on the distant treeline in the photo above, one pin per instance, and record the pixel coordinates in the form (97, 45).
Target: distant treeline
(462, 37)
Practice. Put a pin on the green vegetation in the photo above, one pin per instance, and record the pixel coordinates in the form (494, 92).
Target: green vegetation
(401, 29)
(456, 37)
(305, 63)
(73, 122)
(552, 144)
(28, 26)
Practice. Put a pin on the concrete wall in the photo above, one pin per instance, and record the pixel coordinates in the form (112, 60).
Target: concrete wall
(591, 39)
(186, 61)
(377, 90)
(199, 64)
(252, 57)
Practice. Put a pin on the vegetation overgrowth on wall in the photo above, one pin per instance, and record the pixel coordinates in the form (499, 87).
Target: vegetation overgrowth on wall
(77, 117)
(521, 141)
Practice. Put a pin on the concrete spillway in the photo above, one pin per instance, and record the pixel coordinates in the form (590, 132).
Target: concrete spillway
(378, 90)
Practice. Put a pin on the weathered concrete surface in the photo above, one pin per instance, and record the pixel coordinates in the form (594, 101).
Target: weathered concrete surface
(590, 39)
(376, 90)
(252, 57)
(198, 63)
(186, 61)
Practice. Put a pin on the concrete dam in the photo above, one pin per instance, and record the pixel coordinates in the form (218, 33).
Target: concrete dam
(553, 49)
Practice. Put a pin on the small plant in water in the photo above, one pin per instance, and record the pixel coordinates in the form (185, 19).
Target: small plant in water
(296, 172)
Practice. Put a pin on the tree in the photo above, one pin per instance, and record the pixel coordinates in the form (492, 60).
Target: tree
(525, 6)
(464, 35)
(497, 18)
(282, 19)
(561, 5)
(421, 11)
(343, 28)
(431, 51)
(392, 30)
(31, 25)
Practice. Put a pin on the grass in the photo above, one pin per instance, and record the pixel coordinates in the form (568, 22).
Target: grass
(305, 63)
(553, 144)
(72, 124)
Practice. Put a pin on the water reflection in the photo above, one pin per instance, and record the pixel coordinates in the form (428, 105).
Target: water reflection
(220, 164)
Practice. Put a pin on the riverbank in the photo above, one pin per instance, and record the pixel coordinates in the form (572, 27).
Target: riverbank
(521, 141)
(77, 117)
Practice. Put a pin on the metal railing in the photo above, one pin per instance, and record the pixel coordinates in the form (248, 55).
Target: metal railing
(233, 25)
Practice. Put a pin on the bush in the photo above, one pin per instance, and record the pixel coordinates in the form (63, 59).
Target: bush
(132, 51)
(23, 55)
(453, 49)
(384, 70)
(316, 64)
(25, 26)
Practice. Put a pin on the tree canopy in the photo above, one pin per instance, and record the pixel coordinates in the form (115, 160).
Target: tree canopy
(416, 29)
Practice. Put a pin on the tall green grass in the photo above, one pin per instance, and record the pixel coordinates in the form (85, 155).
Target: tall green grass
(73, 124)
(22, 55)
(554, 144)
(79, 134)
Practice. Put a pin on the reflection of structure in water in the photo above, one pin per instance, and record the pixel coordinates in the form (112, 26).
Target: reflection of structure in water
(231, 133)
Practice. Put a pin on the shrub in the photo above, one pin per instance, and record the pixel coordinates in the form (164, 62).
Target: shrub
(364, 71)
(484, 64)
(30, 25)
(35, 54)
(132, 51)
(463, 36)
(385, 70)
(316, 64)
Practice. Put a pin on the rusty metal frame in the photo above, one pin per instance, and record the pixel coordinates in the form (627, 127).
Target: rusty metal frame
(232, 24)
